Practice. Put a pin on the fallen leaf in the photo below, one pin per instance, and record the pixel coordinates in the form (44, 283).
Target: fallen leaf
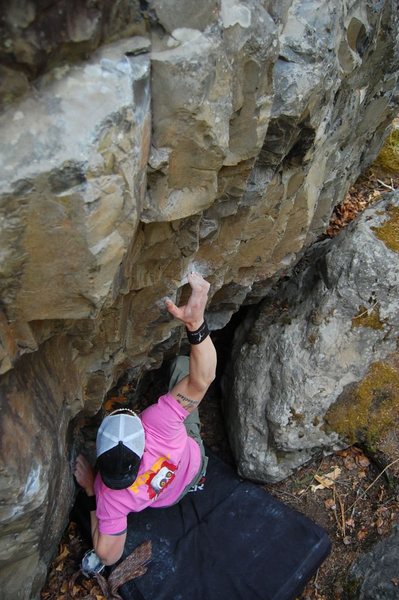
(63, 553)
(356, 451)
(362, 461)
(114, 402)
(349, 463)
(395, 581)
(343, 453)
(326, 481)
(64, 587)
(350, 522)
(88, 585)
(361, 535)
(329, 503)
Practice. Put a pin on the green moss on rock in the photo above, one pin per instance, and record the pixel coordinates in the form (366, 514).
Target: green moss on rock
(370, 409)
(389, 231)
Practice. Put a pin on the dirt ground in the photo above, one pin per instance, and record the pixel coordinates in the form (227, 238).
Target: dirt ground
(346, 493)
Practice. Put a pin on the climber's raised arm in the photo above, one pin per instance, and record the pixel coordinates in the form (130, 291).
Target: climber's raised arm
(190, 390)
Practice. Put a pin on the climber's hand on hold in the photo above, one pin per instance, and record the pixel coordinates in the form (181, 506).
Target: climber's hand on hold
(192, 313)
(84, 474)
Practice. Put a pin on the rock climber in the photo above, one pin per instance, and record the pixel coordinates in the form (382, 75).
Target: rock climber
(155, 458)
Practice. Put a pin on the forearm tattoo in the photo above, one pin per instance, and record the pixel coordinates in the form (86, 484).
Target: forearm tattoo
(187, 403)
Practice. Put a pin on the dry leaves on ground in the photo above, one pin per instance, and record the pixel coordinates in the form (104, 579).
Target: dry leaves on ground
(368, 189)
(352, 502)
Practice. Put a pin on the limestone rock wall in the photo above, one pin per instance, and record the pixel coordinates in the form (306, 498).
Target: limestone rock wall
(138, 138)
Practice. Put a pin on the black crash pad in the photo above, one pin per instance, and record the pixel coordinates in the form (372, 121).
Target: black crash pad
(230, 541)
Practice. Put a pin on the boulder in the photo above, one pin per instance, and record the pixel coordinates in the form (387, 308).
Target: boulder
(374, 576)
(315, 366)
(139, 139)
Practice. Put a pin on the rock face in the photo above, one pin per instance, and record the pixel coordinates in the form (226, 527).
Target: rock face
(138, 138)
(38, 35)
(291, 389)
(374, 575)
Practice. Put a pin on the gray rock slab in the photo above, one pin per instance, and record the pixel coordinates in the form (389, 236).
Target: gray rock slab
(374, 576)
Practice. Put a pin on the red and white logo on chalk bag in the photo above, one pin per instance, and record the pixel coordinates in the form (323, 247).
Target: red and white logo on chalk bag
(160, 480)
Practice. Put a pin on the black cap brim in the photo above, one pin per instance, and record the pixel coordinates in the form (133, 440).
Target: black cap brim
(119, 483)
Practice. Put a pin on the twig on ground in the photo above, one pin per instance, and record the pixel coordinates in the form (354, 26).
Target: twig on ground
(343, 522)
(358, 492)
(315, 579)
(373, 482)
(389, 187)
(284, 493)
(335, 507)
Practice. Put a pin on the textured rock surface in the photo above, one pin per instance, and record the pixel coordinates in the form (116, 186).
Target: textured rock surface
(73, 174)
(312, 338)
(374, 575)
(80, 169)
(257, 119)
(38, 35)
(36, 484)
